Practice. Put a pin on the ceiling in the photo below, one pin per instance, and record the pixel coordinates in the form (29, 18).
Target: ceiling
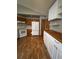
(33, 7)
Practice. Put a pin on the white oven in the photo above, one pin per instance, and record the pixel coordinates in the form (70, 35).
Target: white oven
(22, 32)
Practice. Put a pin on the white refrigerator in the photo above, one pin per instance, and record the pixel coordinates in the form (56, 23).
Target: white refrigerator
(35, 28)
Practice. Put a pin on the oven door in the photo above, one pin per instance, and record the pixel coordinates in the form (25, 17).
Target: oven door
(22, 32)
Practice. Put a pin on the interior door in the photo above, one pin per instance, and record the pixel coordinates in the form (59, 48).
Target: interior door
(35, 28)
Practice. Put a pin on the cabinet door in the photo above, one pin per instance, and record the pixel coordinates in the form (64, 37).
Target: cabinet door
(58, 47)
(58, 54)
(53, 11)
(55, 50)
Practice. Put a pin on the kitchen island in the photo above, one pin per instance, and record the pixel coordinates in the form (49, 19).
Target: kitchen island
(53, 43)
(56, 35)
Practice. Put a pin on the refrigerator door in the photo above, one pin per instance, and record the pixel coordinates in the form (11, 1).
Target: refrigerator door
(35, 28)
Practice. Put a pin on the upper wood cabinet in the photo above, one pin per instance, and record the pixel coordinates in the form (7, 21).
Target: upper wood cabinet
(45, 24)
(21, 18)
(29, 22)
(24, 19)
(56, 10)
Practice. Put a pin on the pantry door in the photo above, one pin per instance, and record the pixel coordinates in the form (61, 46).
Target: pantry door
(35, 28)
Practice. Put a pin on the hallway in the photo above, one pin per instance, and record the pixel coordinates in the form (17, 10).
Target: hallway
(31, 48)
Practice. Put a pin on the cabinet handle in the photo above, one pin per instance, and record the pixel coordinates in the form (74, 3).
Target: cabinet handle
(55, 46)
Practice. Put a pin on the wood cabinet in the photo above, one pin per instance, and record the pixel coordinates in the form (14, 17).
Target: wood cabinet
(24, 19)
(53, 46)
(56, 10)
(44, 25)
(21, 18)
(29, 32)
(29, 22)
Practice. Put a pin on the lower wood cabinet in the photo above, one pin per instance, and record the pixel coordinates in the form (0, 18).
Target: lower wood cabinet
(53, 46)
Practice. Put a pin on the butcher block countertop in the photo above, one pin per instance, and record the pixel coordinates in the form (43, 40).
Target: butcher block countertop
(56, 35)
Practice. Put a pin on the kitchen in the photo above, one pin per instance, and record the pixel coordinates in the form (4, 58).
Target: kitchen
(40, 29)
(55, 35)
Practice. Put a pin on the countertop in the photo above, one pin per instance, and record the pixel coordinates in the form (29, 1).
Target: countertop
(56, 35)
